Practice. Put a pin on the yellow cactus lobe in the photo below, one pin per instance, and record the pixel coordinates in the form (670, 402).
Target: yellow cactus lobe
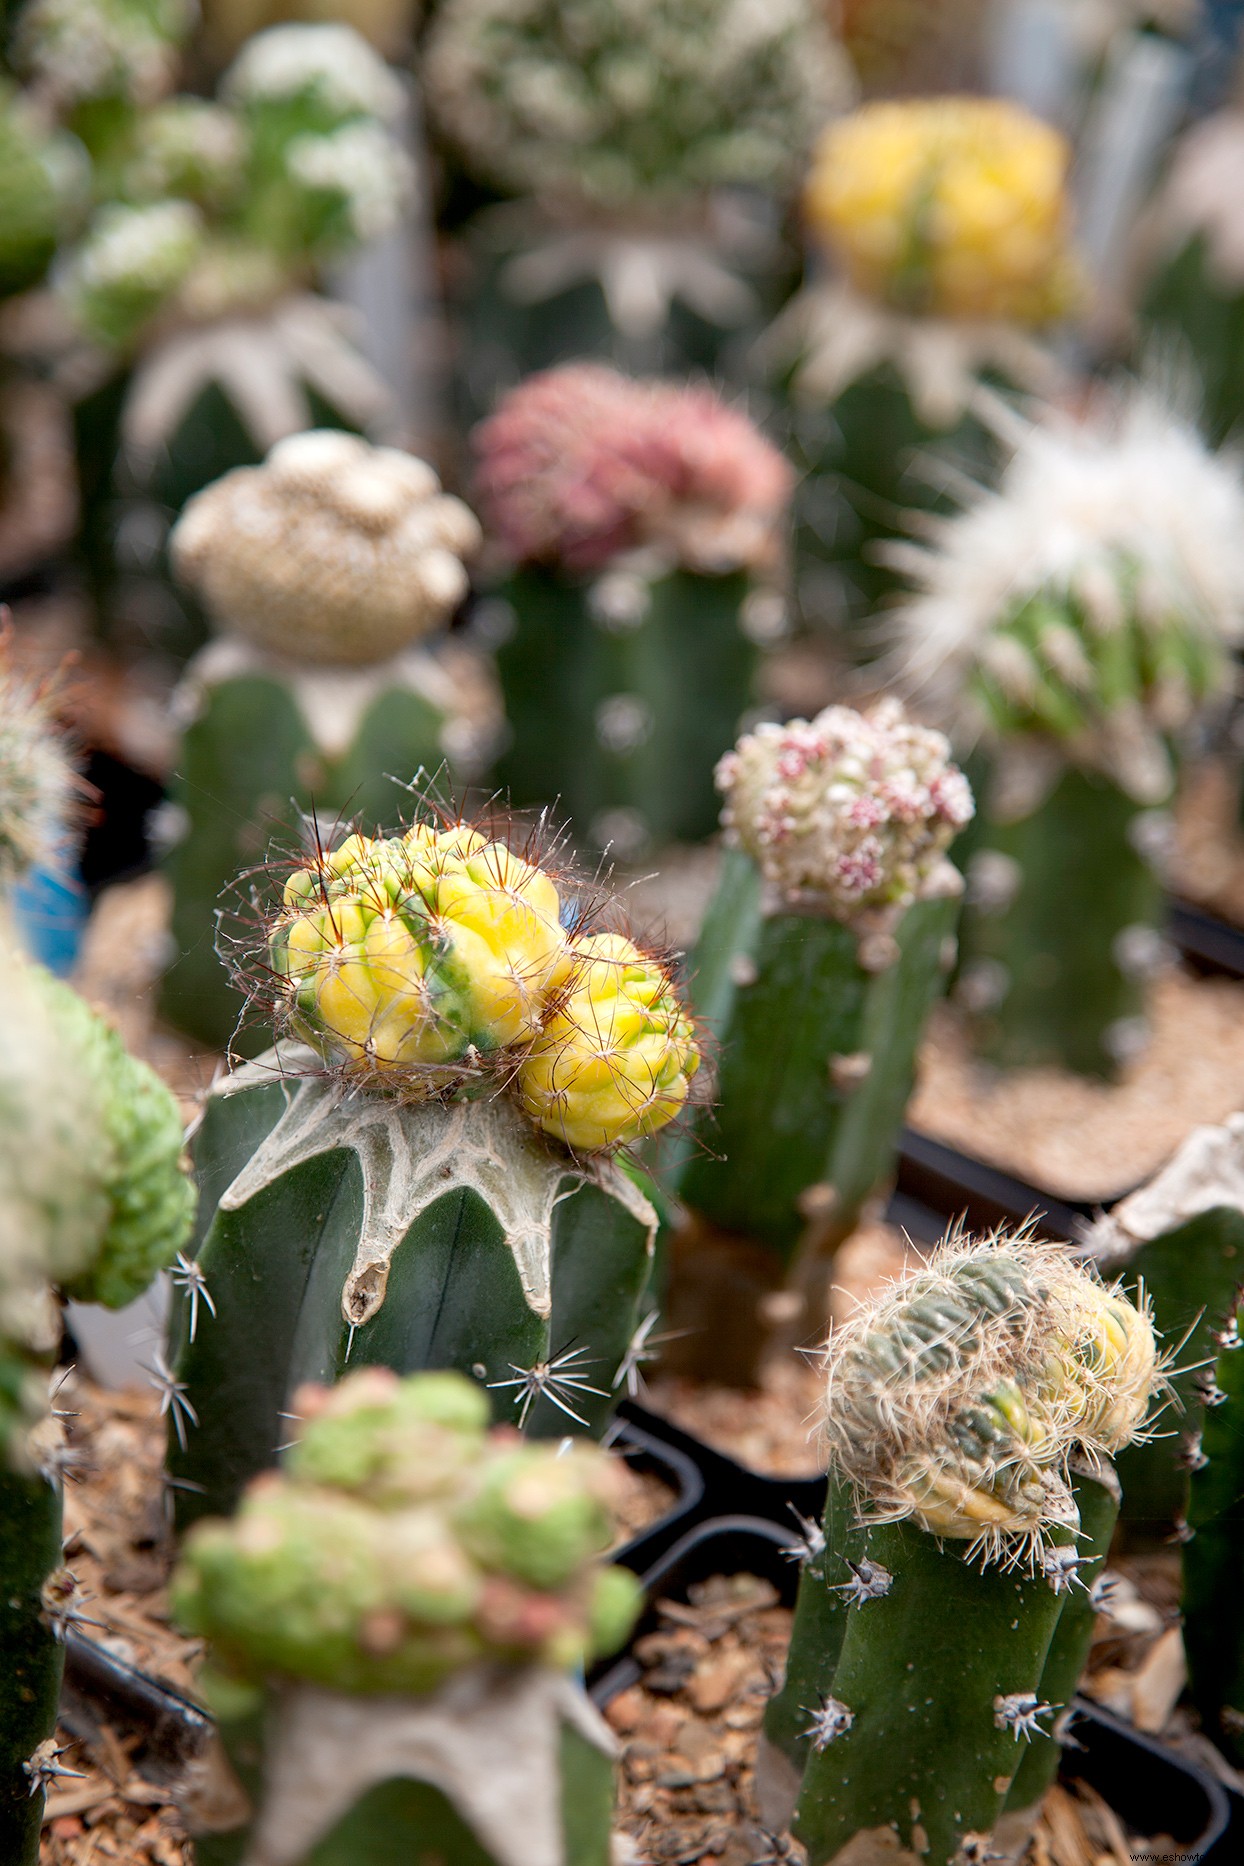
(614, 1061)
(955, 206)
(1110, 1367)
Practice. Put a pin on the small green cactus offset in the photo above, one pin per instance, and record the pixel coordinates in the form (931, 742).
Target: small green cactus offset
(412, 1590)
(324, 573)
(422, 1173)
(1077, 622)
(930, 1610)
(828, 940)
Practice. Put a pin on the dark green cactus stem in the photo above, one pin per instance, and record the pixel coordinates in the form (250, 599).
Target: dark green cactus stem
(818, 1045)
(1213, 1557)
(476, 1247)
(1188, 301)
(1062, 929)
(923, 1672)
(657, 696)
(31, 1659)
(248, 773)
(1097, 1499)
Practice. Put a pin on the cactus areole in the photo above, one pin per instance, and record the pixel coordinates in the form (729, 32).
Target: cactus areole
(423, 1172)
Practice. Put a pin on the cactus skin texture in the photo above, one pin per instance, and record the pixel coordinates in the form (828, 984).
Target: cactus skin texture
(432, 1185)
(930, 1620)
(1213, 1599)
(405, 1570)
(31, 1660)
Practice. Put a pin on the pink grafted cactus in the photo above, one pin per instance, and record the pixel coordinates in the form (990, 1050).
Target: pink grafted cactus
(580, 464)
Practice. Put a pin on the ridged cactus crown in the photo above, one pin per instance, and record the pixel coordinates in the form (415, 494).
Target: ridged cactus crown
(613, 110)
(580, 464)
(439, 962)
(39, 788)
(80, 51)
(331, 551)
(952, 206)
(957, 1397)
(849, 813)
(1093, 598)
(402, 1541)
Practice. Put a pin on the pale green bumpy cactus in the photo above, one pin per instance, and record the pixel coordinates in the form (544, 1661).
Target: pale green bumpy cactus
(643, 522)
(430, 1184)
(323, 572)
(970, 1416)
(412, 1591)
(829, 938)
(1077, 622)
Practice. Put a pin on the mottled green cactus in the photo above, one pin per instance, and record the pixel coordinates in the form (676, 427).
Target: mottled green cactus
(1213, 1567)
(930, 1611)
(643, 520)
(431, 1185)
(93, 1202)
(321, 571)
(1180, 1239)
(413, 1592)
(1077, 622)
(828, 940)
(30, 211)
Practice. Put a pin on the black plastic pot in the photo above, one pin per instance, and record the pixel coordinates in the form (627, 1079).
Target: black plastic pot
(1152, 1788)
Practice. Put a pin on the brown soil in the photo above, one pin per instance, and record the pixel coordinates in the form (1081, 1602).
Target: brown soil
(1209, 850)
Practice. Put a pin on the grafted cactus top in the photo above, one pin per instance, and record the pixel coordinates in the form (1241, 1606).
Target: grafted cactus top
(846, 813)
(38, 784)
(954, 206)
(424, 959)
(402, 1541)
(332, 550)
(957, 1397)
(1093, 598)
(581, 464)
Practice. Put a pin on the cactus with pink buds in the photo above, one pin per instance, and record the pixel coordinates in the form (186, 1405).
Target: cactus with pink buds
(424, 1172)
(926, 1648)
(412, 1590)
(324, 573)
(644, 522)
(827, 942)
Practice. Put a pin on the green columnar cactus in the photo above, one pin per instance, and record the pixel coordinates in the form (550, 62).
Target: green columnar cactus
(93, 1202)
(643, 520)
(829, 938)
(954, 1405)
(1180, 1239)
(1213, 1615)
(321, 571)
(1077, 622)
(432, 1184)
(945, 223)
(410, 1591)
(643, 175)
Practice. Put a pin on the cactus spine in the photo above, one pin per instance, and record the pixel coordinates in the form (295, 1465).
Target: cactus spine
(954, 1405)
(826, 944)
(413, 1592)
(1213, 1617)
(945, 224)
(433, 1184)
(642, 521)
(321, 571)
(1077, 623)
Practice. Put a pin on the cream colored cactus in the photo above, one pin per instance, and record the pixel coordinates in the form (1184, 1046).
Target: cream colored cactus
(331, 551)
(615, 1060)
(958, 1397)
(955, 206)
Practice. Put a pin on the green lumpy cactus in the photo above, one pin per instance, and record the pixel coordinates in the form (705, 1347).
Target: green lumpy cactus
(29, 207)
(402, 1542)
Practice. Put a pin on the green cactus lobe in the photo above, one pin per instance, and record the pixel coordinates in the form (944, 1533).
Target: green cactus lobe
(31, 1660)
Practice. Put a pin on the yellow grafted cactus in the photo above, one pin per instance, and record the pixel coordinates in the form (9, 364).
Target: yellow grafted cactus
(615, 1059)
(955, 206)
(406, 953)
(1106, 1372)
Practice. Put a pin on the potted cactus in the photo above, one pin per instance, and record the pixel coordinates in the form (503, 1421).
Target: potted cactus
(939, 231)
(94, 1201)
(422, 1173)
(642, 160)
(971, 1413)
(322, 571)
(831, 934)
(643, 523)
(1074, 624)
(408, 1596)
